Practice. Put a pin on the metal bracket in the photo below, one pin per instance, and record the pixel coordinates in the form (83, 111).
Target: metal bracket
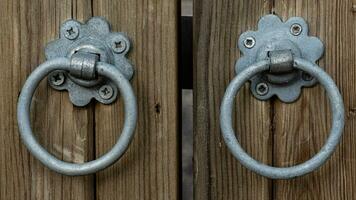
(271, 41)
(87, 44)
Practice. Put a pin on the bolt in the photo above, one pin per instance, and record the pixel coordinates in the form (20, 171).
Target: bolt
(306, 76)
(249, 42)
(296, 29)
(118, 44)
(262, 89)
(71, 32)
(106, 92)
(57, 78)
(354, 8)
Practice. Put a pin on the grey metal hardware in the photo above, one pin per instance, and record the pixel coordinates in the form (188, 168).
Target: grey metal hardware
(93, 38)
(278, 63)
(84, 62)
(272, 35)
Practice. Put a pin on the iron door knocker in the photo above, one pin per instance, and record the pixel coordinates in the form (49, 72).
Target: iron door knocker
(89, 61)
(279, 59)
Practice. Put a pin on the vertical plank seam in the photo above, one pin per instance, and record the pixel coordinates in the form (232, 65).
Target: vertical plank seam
(272, 124)
(197, 43)
(93, 118)
(179, 107)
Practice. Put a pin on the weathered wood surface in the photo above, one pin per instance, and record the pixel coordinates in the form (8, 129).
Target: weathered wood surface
(273, 132)
(301, 128)
(217, 25)
(64, 130)
(149, 169)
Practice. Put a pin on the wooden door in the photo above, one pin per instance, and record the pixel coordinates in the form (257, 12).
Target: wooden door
(149, 169)
(273, 132)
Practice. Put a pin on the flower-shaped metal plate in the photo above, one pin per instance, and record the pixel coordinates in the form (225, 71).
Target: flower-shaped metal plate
(93, 37)
(274, 34)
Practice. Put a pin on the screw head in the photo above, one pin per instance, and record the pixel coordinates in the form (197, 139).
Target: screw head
(296, 29)
(118, 44)
(249, 42)
(71, 31)
(262, 89)
(57, 78)
(106, 92)
(307, 77)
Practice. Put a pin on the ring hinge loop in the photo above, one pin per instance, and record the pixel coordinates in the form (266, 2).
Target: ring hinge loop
(281, 61)
(84, 61)
(275, 59)
(83, 65)
(72, 169)
(279, 172)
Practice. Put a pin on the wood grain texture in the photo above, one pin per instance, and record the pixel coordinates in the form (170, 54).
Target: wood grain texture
(218, 175)
(149, 169)
(64, 130)
(298, 130)
(301, 128)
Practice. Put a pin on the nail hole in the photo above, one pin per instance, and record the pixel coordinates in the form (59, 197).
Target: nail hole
(158, 108)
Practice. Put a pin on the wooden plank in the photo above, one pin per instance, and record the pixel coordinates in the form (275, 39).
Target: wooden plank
(302, 127)
(64, 130)
(218, 175)
(149, 169)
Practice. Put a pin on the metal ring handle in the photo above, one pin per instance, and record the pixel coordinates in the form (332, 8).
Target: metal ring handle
(279, 172)
(72, 169)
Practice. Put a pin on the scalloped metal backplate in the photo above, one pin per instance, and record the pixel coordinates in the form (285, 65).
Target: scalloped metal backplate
(94, 36)
(274, 34)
